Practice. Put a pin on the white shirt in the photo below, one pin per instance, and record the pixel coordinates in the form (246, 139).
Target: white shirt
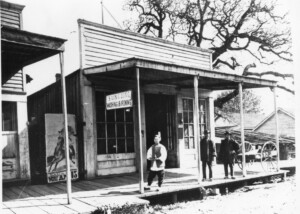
(162, 158)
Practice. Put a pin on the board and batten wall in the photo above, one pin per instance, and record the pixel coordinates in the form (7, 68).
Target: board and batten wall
(100, 44)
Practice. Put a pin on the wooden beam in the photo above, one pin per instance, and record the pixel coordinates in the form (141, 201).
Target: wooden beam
(66, 134)
(242, 129)
(169, 80)
(138, 91)
(21, 37)
(190, 71)
(196, 126)
(277, 126)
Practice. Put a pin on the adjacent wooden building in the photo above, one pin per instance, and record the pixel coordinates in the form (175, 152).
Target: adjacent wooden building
(19, 48)
(171, 88)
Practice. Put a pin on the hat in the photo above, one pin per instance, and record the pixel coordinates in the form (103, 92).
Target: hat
(227, 133)
(206, 131)
(157, 134)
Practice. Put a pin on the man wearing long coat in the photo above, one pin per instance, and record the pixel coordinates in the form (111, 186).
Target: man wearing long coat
(208, 152)
(228, 149)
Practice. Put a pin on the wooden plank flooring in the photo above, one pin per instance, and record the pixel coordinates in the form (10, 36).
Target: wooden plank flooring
(88, 194)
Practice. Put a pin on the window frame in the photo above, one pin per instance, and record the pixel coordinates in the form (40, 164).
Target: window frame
(115, 123)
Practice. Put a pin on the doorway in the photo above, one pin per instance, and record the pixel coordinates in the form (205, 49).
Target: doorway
(160, 117)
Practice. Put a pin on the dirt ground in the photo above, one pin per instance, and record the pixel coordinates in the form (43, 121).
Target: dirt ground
(276, 197)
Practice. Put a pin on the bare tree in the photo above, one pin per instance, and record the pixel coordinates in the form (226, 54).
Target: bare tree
(250, 27)
(152, 14)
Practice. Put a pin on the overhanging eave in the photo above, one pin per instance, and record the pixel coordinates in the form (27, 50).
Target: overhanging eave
(153, 72)
(21, 48)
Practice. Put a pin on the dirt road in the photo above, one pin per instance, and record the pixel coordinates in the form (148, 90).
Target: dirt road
(257, 199)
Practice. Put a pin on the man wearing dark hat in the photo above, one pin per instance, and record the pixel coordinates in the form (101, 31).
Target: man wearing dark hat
(157, 154)
(228, 149)
(208, 152)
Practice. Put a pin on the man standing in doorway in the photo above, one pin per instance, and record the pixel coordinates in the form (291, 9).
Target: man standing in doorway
(208, 153)
(157, 154)
(228, 149)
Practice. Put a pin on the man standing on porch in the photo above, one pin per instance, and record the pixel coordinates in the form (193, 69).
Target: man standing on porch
(208, 153)
(228, 149)
(157, 154)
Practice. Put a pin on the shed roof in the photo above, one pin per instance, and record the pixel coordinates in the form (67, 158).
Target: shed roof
(21, 48)
(272, 115)
(155, 72)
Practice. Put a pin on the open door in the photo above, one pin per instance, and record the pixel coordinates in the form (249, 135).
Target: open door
(160, 116)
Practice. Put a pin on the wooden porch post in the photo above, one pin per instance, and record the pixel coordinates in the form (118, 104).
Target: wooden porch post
(140, 129)
(277, 126)
(196, 129)
(66, 135)
(242, 128)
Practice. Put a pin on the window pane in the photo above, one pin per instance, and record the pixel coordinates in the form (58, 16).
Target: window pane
(185, 104)
(100, 130)
(186, 130)
(100, 98)
(110, 116)
(191, 117)
(185, 117)
(191, 130)
(121, 145)
(129, 130)
(112, 148)
(100, 114)
(202, 105)
(130, 145)
(129, 115)
(120, 130)
(9, 116)
(186, 143)
(191, 143)
(101, 146)
(120, 115)
(111, 130)
(190, 105)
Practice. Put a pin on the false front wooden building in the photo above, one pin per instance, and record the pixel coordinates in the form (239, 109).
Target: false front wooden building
(19, 48)
(128, 87)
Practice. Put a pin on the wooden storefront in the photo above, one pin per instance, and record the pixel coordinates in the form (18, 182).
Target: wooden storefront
(170, 83)
(19, 48)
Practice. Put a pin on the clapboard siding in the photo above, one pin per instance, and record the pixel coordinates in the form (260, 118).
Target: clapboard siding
(15, 83)
(109, 40)
(286, 125)
(102, 44)
(10, 17)
(116, 163)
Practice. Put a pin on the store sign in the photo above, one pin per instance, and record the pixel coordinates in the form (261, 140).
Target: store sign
(119, 100)
(55, 147)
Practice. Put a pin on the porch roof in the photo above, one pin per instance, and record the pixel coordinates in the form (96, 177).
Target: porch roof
(154, 72)
(20, 48)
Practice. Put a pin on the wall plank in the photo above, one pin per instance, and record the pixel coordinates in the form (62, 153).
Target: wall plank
(102, 44)
(10, 18)
(15, 83)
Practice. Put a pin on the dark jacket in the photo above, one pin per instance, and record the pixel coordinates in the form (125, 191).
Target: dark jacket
(208, 150)
(228, 150)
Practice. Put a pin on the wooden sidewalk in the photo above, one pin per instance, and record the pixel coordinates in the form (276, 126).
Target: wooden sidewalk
(87, 195)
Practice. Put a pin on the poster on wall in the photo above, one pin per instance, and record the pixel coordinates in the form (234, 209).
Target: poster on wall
(55, 148)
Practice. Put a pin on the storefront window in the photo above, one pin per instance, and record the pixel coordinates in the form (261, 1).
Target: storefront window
(9, 116)
(114, 128)
(202, 117)
(188, 123)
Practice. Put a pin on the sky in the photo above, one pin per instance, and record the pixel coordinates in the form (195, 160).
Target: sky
(58, 18)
